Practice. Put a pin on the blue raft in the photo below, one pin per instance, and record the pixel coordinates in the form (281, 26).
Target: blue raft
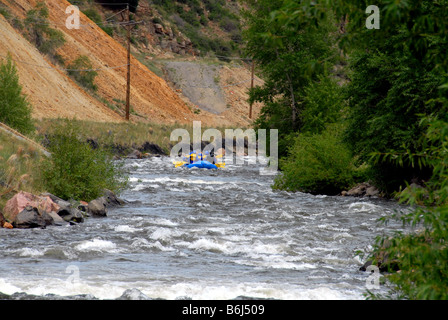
(201, 164)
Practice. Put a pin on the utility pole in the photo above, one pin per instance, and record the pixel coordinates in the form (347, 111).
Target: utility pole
(251, 87)
(128, 85)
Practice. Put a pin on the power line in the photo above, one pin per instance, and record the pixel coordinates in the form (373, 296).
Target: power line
(209, 87)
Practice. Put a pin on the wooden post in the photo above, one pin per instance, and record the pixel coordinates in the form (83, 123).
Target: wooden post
(128, 85)
(251, 87)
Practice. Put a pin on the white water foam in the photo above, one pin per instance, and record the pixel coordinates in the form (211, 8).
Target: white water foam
(31, 252)
(199, 290)
(363, 207)
(225, 291)
(97, 245)
(125, 228)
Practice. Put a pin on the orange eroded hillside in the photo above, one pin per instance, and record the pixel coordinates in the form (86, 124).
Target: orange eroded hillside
(53, 94)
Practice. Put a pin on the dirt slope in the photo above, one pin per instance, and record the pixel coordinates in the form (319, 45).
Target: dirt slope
(235, 83)
(216, 88)
(54, 94)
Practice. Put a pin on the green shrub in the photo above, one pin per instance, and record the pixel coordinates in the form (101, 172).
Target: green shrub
(4, 11)
(95, 16)
(318, 164)
(46, 39)
(76, 170)
(81, 70)
(15, 110)
(190, 17)
(229, 24)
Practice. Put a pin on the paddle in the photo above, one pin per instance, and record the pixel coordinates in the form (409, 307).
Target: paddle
(220, 164)
(178, 163)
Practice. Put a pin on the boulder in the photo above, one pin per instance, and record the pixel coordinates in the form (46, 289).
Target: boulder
(21, 200)
(30, 217)
(111, 200)
(68, 214)
(361, 190)
(97, 207)
(60, 202)
(57, 220)
(133, 294)
(158, 28)
(384, 262)
(135, 155)
(371, 191)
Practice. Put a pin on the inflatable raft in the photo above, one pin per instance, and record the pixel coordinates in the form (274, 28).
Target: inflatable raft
(201, 164)
(198, 161)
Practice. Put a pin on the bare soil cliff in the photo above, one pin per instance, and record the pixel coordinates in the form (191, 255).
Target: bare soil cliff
(54, 94)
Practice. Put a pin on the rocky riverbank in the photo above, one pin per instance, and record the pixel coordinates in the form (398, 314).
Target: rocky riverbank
(26, 210)
(364, 189)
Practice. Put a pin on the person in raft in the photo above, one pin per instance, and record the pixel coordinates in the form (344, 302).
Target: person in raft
(192, 156)
(211, 156)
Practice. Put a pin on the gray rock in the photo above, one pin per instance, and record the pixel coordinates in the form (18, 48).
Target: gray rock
(71, 214)
(97, 207)
(133, 294)
(60, 202)
(372, 192)
(111, 199)
(361, 190)
(57, 220)
(135, 155)
(30, 218)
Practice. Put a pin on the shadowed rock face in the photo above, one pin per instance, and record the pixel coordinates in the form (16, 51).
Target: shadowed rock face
(30, 217)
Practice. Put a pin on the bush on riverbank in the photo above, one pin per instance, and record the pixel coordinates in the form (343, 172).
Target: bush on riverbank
(318, 163)
(78, 171)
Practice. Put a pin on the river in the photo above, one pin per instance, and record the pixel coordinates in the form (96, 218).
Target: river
(202, 234)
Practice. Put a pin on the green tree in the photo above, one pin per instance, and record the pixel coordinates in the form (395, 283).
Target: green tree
(15, 110)
(400, 82)
(422, 256)
(388, 91)
(290, 52)
(398, 114)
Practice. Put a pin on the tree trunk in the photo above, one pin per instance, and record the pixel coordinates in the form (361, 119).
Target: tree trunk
(293, 103)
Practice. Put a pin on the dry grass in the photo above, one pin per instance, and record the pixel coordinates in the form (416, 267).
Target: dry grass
(18, 163)
(123, 134)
